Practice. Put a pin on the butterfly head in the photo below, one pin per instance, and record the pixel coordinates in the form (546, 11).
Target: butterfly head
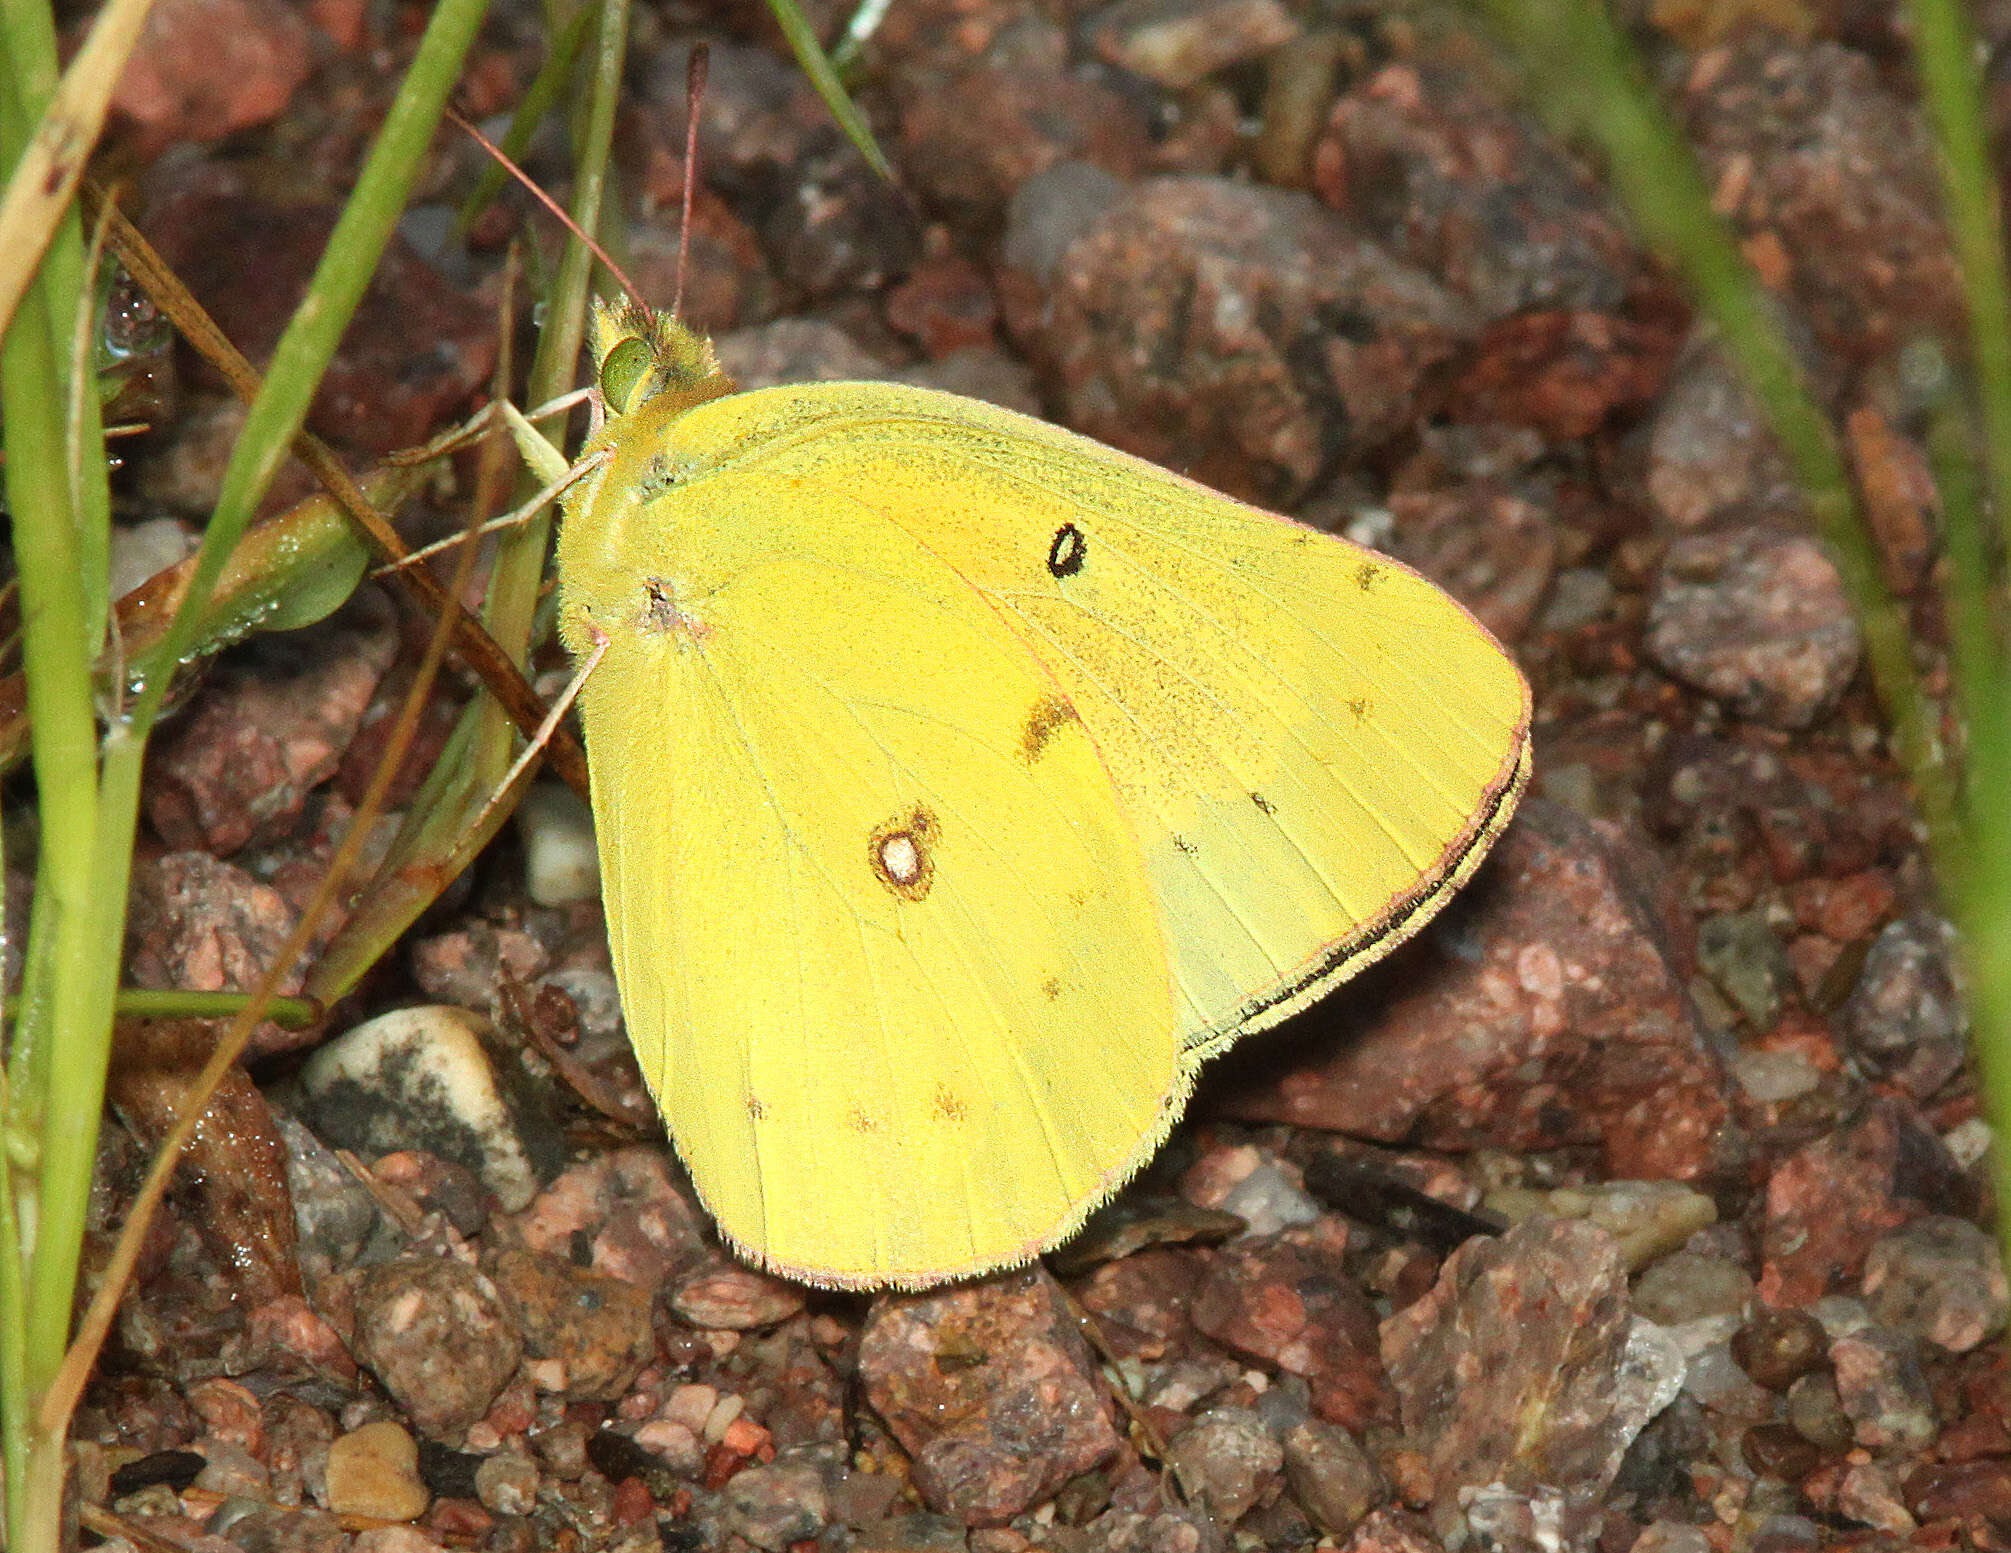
(642, 356)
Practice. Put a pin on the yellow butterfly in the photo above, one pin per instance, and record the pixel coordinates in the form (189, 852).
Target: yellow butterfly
(963, 784)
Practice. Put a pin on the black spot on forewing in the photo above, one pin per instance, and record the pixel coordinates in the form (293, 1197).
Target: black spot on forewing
(1068, 551)
(1368, 574)
(1263, 803)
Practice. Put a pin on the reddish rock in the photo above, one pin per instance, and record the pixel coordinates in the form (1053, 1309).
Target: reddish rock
(1254, 1185)
(1332, 1476)
(725, 275)
(1848, 909)
(989, 96)
(633, 1503)
(1186, 1530)
(795, 350)
(269, 728)
(1392, 1531)
(1829, 1201)
(435, 1333)
(1543, 1010)
(201, 925)
(1711, 458)
(468, 966)
(344, 21)
(726, 280)
(1745, 809)
(980, 372)
(991, 1390)
(760, 113)
(1141, 1302)
(725, 1296)
(1287, 1300)
(1190, 320)
(1177, 43)
(946, 305)
(1905, 1020)
(1461, 182)
(298, 1435)
(205, 69)
(627, 1209)
(1884, 1390)
(1804, 144)
(436, 1185)
(1565, 373)
(1984, 1431)
(589, 1332)
(1939, 1279)
(783, 1503)
(1493, 551)
(286, 1332)
(248, 259)
(1518, 1376)
(1971, 1491)
(1756, 620)
(230, 1412)
(1228, 1459)
(841, 228)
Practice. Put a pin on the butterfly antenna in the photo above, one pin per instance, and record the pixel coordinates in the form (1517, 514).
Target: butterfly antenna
(558, 210)
(695, 69)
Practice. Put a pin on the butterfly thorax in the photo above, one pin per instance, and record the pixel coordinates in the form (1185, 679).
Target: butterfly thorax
(651, 371)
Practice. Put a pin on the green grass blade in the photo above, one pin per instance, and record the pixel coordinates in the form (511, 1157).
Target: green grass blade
(46, 171)
(538, 100)
(816, 64)
(518, 577)
(1585, 74)
(304, 350)
(1945, 55)
(1951, 80)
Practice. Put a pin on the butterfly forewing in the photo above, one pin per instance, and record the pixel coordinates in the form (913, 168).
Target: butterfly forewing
(1309, 742)
(886, 944)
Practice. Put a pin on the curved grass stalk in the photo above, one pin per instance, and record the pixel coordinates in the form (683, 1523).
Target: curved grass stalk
(1588, 77)
(90, 789)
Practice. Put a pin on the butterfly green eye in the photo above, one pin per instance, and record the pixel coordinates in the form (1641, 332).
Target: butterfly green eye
(623, 371)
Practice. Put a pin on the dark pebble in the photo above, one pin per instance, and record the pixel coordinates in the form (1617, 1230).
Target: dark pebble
(615, 1456)
(1778, 1347)
(446, 1472)
(177, 1469)
(1778, 1451)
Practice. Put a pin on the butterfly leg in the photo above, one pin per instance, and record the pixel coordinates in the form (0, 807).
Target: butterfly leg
(477, 425)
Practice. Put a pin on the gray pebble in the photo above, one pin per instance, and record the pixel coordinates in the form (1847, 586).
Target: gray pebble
(1939, 1279)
